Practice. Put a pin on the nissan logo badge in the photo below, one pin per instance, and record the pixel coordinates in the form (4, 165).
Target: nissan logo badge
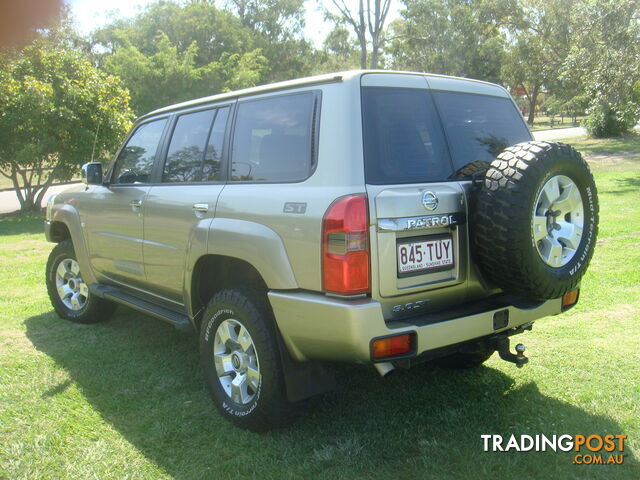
(429, 200)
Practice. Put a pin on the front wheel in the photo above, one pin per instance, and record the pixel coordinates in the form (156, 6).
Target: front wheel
(241, 361)
(68, 292)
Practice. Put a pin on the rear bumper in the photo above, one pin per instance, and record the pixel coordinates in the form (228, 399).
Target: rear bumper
(317, 327)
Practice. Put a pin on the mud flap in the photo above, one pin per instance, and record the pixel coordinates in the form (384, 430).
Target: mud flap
(304, 379)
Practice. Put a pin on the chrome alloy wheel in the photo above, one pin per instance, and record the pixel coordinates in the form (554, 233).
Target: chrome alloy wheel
(236, 361)
(72, 290)
(558, 220)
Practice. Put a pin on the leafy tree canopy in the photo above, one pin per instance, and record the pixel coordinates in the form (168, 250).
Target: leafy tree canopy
(172, 52)
(57, 111)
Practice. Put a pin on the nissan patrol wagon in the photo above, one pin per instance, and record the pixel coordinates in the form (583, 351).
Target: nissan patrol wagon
(383, 218)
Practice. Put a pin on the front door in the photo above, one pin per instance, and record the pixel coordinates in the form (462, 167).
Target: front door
(114, 223)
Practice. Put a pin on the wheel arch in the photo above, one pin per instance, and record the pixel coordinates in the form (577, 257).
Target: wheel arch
(212, 273)
(65, 224)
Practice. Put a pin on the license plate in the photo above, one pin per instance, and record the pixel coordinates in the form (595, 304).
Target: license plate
(432, 254)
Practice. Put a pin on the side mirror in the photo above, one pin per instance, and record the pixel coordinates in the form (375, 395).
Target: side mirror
(92, 173)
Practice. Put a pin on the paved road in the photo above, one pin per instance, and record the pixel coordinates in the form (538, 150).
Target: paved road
(9, 201)
(559, 133)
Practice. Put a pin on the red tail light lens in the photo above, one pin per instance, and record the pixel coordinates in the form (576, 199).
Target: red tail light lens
(345, 246)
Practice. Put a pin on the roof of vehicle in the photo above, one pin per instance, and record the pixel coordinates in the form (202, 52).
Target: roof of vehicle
(436, 81)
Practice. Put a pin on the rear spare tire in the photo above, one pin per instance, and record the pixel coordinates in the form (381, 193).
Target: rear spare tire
(536, 220)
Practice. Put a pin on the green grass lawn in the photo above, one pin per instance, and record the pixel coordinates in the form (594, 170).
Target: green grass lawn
(545, 123)
(124, 399)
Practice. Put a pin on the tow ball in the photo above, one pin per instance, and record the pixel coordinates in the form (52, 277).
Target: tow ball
(502, 346)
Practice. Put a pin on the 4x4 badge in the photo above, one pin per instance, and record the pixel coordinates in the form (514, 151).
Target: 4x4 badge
(429, 200)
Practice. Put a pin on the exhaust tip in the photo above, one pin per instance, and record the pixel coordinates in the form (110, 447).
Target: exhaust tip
(384, 368)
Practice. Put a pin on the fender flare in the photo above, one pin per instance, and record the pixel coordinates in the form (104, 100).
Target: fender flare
(257, 245)
(69, 216)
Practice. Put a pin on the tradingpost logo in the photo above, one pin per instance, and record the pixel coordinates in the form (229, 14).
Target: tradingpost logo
(588, 449)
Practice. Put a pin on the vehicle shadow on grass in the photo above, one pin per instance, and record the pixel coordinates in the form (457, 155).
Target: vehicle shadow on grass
(626, 184)
(143, 378)
(21, 223)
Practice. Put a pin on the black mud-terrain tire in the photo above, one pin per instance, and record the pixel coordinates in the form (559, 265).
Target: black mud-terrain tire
(503, 231)
(464, 360)
(268, 408)
(94, 310)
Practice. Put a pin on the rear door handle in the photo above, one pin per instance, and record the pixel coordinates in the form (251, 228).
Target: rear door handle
(135, 203)
(200, 207)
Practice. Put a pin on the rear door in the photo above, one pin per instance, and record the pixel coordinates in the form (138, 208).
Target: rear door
(416, 141)
(418, 214)
(184, 198)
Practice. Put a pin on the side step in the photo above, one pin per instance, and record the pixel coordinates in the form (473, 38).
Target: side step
(179, 320)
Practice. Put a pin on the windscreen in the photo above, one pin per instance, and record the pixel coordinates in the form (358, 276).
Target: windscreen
(418, 135)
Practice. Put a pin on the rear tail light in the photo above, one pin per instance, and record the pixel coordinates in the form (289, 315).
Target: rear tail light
(345, 246)
(392, 346)
(570, 299)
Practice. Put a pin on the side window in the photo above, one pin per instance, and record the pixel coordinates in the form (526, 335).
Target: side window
(272, 139)
(213, 154)
(187, 147)
(135, 161)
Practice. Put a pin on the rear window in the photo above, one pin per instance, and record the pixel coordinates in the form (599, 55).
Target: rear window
(417, 136)
(403, 139)
(479, 127)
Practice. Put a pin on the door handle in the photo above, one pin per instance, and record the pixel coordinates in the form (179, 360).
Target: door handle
(135, 203)
(200, 207)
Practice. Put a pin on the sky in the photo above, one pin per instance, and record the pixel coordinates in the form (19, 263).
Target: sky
(90, 14)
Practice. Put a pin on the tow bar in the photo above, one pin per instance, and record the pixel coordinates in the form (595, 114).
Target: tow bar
(502, 346)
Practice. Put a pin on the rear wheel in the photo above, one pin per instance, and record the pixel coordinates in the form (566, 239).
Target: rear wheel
(241, 361)
(68, 292)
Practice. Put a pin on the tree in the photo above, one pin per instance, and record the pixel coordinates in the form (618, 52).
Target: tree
(364, 20)
(452, 37)
(339, 52)
(57, 111)
(541, 34)
(605, 60)
(169, 76)
(171, 52)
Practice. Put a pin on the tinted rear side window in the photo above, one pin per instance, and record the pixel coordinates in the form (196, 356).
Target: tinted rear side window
(213, 155)
(272, 139)
(403, 138)
(187, 147)
(479, 127)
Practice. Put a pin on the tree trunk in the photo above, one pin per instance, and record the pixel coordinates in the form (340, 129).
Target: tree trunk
(374, 53)
(362, 36)
(533, 99)
(43, 190)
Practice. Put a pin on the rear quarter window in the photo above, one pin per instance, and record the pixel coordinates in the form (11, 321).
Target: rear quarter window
(272, 140)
